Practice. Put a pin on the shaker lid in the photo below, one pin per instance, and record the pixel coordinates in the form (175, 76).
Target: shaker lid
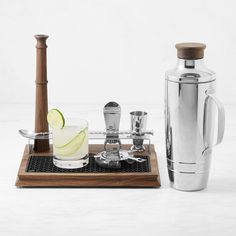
(190, 51)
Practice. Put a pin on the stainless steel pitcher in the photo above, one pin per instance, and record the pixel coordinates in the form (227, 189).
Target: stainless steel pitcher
(191, 110)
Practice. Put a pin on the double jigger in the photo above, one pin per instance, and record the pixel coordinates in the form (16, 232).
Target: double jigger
(138, 128)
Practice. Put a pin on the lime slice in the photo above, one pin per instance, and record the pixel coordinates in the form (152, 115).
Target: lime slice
(73, 146)
(55, 119)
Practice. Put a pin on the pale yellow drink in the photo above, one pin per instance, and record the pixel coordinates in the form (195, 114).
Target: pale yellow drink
(71, 142)
(70, 145)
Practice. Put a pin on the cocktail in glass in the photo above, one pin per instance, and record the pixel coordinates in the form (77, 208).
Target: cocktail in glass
(70, 144)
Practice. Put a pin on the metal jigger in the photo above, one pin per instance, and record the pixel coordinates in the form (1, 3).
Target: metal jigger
(138, 127)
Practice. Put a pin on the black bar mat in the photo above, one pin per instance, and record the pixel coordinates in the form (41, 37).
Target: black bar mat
(45, 164)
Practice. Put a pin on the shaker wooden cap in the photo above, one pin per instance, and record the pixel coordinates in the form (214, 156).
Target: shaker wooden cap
(190, 51)
(41, 40)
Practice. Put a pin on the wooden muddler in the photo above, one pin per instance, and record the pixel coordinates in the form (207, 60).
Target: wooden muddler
(41, 103)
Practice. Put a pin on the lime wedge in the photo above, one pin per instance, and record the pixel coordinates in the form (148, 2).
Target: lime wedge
(71, 147)
(55, 119)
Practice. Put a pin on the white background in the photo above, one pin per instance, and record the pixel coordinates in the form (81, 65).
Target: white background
(113, 50)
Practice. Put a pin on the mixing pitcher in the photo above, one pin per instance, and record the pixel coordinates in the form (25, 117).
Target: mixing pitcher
(191, 111)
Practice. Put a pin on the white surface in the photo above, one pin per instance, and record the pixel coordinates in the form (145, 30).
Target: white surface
(107, 43)
(97, 42)
(152, 212)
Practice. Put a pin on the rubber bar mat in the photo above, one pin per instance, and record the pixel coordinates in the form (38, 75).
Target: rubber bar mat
(45, 164)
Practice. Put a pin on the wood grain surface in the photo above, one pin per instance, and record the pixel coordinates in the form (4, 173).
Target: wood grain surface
(41, 101)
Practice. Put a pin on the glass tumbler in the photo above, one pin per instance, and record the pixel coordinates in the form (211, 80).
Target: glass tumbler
(70, 145)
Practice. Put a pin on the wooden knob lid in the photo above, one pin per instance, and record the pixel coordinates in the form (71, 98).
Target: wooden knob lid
(190, 51)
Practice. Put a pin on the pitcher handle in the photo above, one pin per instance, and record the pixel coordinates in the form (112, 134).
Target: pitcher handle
(221, 119)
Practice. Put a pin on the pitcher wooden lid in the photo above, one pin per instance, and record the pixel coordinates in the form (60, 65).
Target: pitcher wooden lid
(190, 51)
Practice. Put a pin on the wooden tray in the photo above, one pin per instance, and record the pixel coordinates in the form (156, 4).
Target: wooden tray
(104, 178)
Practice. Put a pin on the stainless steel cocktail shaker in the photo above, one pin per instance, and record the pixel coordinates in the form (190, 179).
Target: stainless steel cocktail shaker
(191, 110)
